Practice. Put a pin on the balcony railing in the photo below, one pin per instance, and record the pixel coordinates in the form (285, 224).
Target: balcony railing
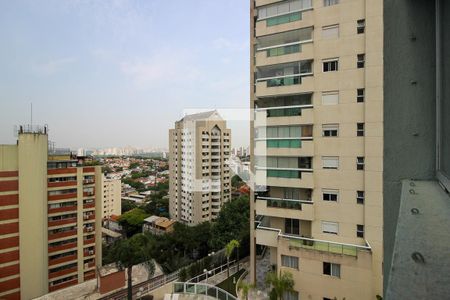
(285, 203)
(315, 244)
(284, 111)
(202, 289)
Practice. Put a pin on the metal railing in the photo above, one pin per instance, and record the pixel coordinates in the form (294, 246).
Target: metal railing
(202, 289)
(213, 272)
(315, 244)
(28, 128)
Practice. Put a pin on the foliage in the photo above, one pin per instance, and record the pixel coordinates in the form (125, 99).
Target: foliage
(232, 223)
(134, 165)
(128, 205)
(135, 184)
(280, 284)
(132, 221)
(245, 288)
(158, 205)
(229, 248)
(130, 252)
(106, 169)
(236, 181)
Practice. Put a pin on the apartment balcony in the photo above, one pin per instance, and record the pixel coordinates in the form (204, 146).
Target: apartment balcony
(284, 147)
(282, 23)
(284, 54)
(62, 285)
(88, 229)
(62, 209)
(283, 177)
(62, 222)
(89, 170)
(89, 275)
(88, 194)
(266, 236)
(62, 247)
(88, 253)
(88, 205)
(284, 115)
(89, 241)
(62, 272)
(62, 184)
(59, 235)
(62, 171)
(286, 84)
(285, 208)
(63, 259)
(88, 181)
(87, 218)
(62, 196)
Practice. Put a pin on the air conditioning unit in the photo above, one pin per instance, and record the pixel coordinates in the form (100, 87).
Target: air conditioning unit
(86, 265)
(91, 252)
(90, 229)
(86, 217)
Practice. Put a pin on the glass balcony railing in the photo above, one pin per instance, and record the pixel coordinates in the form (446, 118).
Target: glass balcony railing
(283, 50)
(284, 143)
(284, 112)
(325, 246)
(284, 203)
(283, 81)
(278, 20)
(284, 174)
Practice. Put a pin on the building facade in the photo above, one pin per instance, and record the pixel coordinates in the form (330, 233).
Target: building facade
(49, 216)
(317, 145)
(112, 193)
(199, 172)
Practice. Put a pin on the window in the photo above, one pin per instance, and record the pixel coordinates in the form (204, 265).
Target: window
(360, 231)
(360, 95)
(330, 227)
(332, 269)
(330, 98)
(360, 26)
(330, 2)
(292, 226)
(289, 261)
(330, 162)
(360, 129)
(325, 298)
(330, 195)
(360, 163)
(361, 60)
(290, 295)
(330, 65)
(330, 130)
(331, 31)
(360, 197)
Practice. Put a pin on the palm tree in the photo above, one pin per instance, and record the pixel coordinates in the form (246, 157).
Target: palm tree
(130, 252)
(228, 251)
(280, 284)
(245, 288)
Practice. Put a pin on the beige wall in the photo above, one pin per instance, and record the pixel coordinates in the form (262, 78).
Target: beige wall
(32, 157)
(111, 199)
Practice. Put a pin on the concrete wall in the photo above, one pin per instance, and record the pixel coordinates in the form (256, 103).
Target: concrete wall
(409, 103)
(32, 156)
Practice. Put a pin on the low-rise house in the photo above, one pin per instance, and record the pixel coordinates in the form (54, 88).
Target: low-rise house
(158, 225)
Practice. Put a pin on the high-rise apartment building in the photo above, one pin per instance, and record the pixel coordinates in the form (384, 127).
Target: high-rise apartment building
(317, 145)
(112, 193)
(49, 218)
(198, 164)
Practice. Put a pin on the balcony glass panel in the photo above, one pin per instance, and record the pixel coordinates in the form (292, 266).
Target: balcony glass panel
(285, 38)
(284, 174)
(282, 203)
(284, 50)
(284, 144)
(296, 16)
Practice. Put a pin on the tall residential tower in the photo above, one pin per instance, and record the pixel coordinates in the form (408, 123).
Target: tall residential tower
(199, 171)
(317, 145)
(50, 221)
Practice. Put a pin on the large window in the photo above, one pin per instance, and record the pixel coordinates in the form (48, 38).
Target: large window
(332, 269)
(292, 226)
(289, 261)
(274, 13)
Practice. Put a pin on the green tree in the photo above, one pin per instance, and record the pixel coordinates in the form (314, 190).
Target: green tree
(128, 205)
(134, 165)
(232, 223)
(280, 284)
(229, 248)
(245, 288)
(130, 252)
(236, 181)
(132, 221)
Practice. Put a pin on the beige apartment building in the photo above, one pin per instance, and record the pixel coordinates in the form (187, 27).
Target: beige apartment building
(112, 193)
(317, 152)
(49, 215)
(200, 181)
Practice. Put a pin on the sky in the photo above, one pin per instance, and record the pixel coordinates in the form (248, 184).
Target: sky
(116, 73)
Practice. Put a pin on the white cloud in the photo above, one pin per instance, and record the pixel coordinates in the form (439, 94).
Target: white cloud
(53, 66)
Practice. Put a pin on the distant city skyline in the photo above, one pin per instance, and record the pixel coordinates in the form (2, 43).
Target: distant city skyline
(118, 73)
